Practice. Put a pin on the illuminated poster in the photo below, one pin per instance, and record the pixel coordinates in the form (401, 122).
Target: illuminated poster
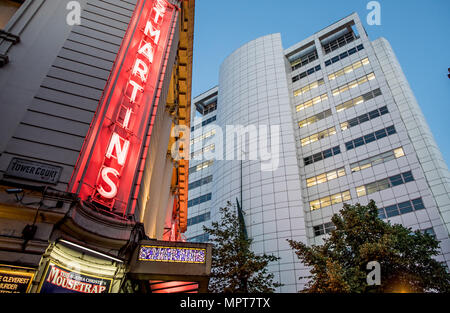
(15, 281)
(112, 153)
(58, 279)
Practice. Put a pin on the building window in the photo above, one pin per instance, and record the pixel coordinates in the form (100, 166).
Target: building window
(7, 10)
(339, 42)
(353, 84)
(429, 231)
(311, 102)
(298, 62)
(344, 55)
(204, 136)
(198, 219)
(199, 200)
(324, 177)
(365, 97)
(318, 136)
(200, 182)
(308, 87)
(204, 123)
(315, 118)
(322, 155)
(386, 183)
(377, 159)
(199, 238)
(306, 73)
(364, 118)
(323, 229)
(329, 200)
(200, 166)
(349, 69)
(401, 208)
(203, 150)
(370, 137)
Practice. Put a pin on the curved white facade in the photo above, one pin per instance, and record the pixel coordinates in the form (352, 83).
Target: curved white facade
(254, 91)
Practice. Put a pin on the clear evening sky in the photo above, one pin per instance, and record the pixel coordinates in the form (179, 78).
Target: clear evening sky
(418, 30)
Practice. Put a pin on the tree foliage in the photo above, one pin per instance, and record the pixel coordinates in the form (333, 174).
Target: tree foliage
(360, 236)
(235, 268)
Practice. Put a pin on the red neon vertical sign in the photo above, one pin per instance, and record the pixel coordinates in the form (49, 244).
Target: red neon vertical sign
(110, 155)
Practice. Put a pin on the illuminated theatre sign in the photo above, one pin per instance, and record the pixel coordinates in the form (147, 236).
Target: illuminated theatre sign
(112, 151)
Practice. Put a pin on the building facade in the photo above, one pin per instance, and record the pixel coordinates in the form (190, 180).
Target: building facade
(91, 199)
(350, 130)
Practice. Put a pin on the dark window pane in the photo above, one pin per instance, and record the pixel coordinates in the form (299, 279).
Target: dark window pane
(374, 114)
(392, 211)
(380, 134)
(327, 63)
(363, 118)
(391, 130)
(353, 122)
(351, 51)
(335, 59)
(308, 160)
(407, 177)
(405, 207)
(358, 142)
(384, 110)
(349, 145)
(336, 150)
(344, 55)
(369, 138)
(396, 180)
(418, 204)
(317, 157)
(381, 213)
(327, 153)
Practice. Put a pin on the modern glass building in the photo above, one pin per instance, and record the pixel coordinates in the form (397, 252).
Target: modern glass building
(350, 130)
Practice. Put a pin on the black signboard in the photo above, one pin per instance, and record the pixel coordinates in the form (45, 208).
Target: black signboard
(58, 279)
(32, 170)
(14, 281)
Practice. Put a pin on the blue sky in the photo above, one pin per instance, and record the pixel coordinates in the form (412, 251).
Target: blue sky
(418, 31)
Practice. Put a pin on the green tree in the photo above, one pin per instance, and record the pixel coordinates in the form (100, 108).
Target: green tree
(235, 268)
(360, 236)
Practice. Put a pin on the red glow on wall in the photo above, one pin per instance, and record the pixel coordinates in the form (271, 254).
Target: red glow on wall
(159, 286)
(111, 154)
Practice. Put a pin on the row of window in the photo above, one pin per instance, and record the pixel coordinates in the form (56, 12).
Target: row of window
(377, 159)
(204, 123)
(323, 229)
(200, 166)
(383, 184)
(200, 238)
(302, 61)
(198, 219)
(315, 118)
(306, 73)
(344, 55)
(324, 177)
(386, 183)
(318, 136)
(330, 200)
(354, 83)
(204, 136)
(200, 182)
(364, 118)
(311, 102)
(199, 200)
(358, 100)
(309, 87)
(389, 211)
(197, 153)
(349, 69)
(370, 137)
(339, 42)
(322, 155)
(401, 208)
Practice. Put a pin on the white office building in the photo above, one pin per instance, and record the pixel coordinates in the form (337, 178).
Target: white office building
(350, 130)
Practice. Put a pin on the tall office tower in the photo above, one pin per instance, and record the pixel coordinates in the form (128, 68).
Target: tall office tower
(91, 199)
(350, 131)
